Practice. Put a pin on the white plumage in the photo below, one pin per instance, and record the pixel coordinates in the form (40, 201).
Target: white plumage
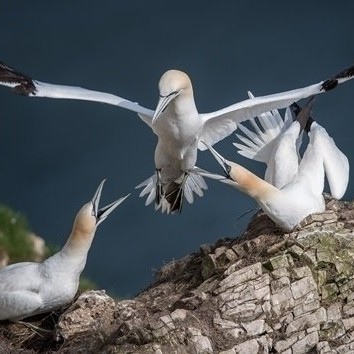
(301, 194)
(27, 288)
(177, 123)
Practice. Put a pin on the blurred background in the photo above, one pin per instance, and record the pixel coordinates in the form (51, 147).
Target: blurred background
(54, 153)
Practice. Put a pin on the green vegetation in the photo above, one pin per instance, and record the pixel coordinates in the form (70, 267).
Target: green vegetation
(14, 235)
(86, 284)
(14, 241)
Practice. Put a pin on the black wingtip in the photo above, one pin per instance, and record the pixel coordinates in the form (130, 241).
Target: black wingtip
(24, 84)
(331, 83)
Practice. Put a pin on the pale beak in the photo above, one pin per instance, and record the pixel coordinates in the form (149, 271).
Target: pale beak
(162, 104)
(101, 214)
(221, 160)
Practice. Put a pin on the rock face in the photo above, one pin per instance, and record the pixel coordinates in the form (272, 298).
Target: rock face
(265, 292)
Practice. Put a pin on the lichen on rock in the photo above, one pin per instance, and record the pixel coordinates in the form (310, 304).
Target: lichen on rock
(264, 292)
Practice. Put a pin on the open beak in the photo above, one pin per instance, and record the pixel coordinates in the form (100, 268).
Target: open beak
(162, 104)
(222, 161)
(101, 214)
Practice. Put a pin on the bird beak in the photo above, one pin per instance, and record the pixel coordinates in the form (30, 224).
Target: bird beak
(303, 114)
(222, 161)
(101, 214)
(162, 104)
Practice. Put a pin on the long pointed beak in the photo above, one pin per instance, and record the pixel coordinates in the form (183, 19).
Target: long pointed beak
(162, 104)
(105, 211)
(303, 115)
(96, 198)
(102, 213)
(221, 160)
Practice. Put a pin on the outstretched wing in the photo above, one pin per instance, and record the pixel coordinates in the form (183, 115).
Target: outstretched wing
(219, 124)
(258, 144)
(25, 85)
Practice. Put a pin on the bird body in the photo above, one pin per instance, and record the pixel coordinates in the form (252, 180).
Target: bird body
(29, 288)
(302, 194)
(177, 123)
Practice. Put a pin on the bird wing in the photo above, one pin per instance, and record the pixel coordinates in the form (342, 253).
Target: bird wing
(335, 163)
(20, 276)
(258, 144)
(273, 144)
(25, 85)
(221, 123)
(19, 304)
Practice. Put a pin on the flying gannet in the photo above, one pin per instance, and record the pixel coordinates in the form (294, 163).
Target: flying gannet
(302, 195)
(28, 288)
(177, 123)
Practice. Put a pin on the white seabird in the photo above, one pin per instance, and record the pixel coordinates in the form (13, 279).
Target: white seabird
(269, 145)
(177, 123)
(29, 288)
(302, 195)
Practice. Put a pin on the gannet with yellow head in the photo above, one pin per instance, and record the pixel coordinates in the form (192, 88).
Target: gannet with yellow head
(28, 288)
(302, 194)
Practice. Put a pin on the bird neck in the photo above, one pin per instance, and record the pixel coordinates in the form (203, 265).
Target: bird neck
(251, 184)
(74, 253)
(184, 103)
(78, 243)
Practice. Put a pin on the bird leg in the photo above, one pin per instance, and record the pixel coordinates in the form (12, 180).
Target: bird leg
(175, 196)
(159, 190)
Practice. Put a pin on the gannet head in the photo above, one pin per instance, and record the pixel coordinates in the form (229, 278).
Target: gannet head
(90, 216)
(171, 84)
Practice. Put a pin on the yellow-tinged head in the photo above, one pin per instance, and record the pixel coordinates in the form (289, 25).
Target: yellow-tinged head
(241, 178)
(172, 84)
(173, 81)
(90, 216)
(85, 221)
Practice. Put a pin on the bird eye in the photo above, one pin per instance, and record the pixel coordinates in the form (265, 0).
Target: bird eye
(172, 93)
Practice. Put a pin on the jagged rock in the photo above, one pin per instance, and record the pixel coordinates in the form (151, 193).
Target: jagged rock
(265, 292)
(92, 310)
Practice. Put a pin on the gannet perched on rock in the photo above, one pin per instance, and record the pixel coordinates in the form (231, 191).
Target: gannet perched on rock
(302, 194)
(28, 289)
(177, 123)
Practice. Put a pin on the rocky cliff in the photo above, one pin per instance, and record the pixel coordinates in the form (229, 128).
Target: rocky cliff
(263, 292)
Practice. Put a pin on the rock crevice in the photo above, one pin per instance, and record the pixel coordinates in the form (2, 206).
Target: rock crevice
(265, 292)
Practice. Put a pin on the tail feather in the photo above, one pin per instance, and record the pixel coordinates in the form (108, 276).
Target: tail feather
(170, 199)
(150, 189)
(196, 183)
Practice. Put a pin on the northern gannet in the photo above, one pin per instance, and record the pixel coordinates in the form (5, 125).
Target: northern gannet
(269, 145)
(28, 288)
(177, 123)
(302, 195)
